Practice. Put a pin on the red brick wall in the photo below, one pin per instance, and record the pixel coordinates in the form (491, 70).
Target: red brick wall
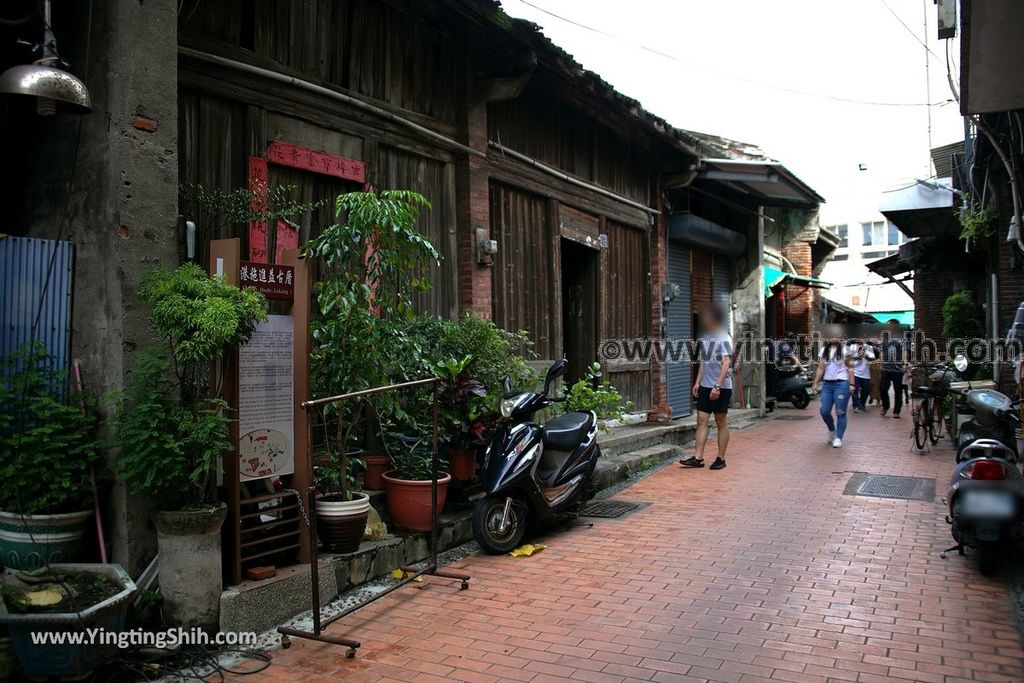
(799, 299)
(931, 289)
(472, 211)
(660, 411)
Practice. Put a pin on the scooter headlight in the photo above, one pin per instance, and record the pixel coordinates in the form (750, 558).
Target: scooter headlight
(508, 405)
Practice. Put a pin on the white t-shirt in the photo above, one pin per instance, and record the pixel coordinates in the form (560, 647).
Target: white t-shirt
(712, 348)
(861, 368)
(835, 364)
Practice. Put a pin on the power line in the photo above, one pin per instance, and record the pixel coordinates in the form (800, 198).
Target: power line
(909, 30)
(701, 67)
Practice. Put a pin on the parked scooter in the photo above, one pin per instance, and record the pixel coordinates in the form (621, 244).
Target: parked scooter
(986, 491)
(533, 472)
(794, 385)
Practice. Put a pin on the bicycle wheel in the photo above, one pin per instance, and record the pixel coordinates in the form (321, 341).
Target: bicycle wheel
(935, 425)
(920, 428)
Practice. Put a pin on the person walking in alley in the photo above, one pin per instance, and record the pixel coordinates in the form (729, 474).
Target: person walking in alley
(863, 354)
(894, 362)
(713, 388)
(835, 376)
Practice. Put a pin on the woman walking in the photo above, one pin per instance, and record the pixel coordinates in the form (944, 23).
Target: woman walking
(835, 375)
(862, 357)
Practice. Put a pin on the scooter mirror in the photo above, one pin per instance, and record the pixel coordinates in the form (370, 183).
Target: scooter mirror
(960, 363)
(559, 368)
(506, 386)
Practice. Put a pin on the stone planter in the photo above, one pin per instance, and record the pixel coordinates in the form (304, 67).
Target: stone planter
(376, 465)
(188, 542)
(30, 541)
(340, 523)
(462, 463)
(65, 661)
(409, 501)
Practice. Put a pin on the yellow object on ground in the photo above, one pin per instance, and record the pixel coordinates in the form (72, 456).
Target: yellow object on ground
(399, 574)
(375, 528)
(527, 550)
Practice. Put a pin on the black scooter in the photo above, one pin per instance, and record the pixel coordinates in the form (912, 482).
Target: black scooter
(986, 491)
(794, 385)
(533, 472)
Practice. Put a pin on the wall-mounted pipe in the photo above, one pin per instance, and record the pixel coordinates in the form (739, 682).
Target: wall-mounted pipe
(331, 94)
(540, 166)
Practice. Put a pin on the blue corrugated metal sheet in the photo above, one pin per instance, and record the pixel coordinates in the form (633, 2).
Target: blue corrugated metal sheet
(679, 329)
(24, 263)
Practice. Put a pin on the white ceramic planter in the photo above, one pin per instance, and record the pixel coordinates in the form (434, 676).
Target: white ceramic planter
(359, 504)
(31, 541)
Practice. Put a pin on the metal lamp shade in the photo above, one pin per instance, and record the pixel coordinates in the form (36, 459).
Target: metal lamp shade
(56, 89)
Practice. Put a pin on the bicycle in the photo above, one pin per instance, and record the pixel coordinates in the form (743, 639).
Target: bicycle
(927, 413)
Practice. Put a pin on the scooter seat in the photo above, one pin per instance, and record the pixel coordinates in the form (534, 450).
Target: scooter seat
(566, 432)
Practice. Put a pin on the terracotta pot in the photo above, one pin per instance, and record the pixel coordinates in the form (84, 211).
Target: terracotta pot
(409, 501)
(462, 463)
(376, 465)
(340, 523)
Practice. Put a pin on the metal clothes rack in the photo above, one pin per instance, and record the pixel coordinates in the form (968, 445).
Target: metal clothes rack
(319, 622)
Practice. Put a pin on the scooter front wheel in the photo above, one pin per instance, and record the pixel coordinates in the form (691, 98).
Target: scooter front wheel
(499, 525)
(801, 400)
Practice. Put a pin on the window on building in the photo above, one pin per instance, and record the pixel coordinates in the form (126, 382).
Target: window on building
(875, 254)
(878, 233)
(855, 300)
(840, 257)
(866, 227)
(843, 232)
(895, 236)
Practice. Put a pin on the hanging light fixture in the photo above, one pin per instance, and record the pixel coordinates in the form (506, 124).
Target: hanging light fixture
(54, 88)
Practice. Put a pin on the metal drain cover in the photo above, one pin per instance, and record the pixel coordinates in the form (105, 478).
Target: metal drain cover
(890, 486)
(794, 417)
(609, 509)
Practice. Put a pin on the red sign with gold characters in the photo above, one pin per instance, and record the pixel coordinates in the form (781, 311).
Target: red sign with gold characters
(271, 280)
(306, 159)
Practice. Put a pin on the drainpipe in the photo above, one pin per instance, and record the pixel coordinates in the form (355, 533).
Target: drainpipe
(994, 317)
(1014, 234)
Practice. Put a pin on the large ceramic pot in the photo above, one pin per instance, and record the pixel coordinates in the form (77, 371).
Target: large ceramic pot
(409, 501)
(68, 661)
(340, 523)
(376, 465)
(31, 541)
(190, 566)
(462, 463)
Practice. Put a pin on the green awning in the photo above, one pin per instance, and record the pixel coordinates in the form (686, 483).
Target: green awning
(773, 276)
(904, 317)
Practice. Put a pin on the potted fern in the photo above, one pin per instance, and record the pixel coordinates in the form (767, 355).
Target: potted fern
(47, 447)
(171, 425)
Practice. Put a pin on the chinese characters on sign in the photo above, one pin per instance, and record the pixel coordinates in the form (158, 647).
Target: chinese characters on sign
(306, 159)
(266, 401)
(271, 280)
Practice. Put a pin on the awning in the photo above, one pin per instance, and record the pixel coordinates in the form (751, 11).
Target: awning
(769, 182)
(923, 208)
(774, 276)
(889, 267)
(904, 317)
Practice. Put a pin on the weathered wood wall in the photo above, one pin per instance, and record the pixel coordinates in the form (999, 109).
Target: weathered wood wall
(626, 304)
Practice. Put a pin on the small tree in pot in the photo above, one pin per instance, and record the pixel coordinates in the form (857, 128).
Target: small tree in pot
(407, 488)
(172, 424)
(462, 409)
(47, 447)
(375, 261)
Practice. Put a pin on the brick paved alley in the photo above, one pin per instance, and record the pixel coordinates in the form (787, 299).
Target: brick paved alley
(762, 571)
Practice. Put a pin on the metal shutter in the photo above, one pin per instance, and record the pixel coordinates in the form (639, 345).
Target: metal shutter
(679, 329)
(721, 287)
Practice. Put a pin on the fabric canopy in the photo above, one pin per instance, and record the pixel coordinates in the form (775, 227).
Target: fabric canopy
(773, 276)
(904, 317)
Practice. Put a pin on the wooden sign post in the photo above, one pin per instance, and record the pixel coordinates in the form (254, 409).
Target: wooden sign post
(268, 475)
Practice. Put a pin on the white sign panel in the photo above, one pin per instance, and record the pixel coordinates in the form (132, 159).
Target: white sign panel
(266, 401)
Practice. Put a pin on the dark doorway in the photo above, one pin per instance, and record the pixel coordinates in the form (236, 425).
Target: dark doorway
(580, 267)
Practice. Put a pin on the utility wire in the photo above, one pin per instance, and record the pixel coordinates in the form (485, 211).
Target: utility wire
(909, 30)
(793, 91)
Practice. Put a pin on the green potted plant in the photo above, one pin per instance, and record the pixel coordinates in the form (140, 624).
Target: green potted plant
(375, 262)
(171, 425)
(66, 599)
(592, 393)
(407, 488)
(47, 447)
(461, 409)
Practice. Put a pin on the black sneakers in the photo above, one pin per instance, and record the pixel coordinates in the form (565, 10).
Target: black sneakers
(692, 462)
(718, 464)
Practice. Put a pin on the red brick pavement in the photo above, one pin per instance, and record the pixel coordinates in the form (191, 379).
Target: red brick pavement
(762, 571)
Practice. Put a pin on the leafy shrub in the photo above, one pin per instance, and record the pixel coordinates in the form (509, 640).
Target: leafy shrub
(412, 461)
(170, 425)
(46, 443)
(960, 317)
(593, 393)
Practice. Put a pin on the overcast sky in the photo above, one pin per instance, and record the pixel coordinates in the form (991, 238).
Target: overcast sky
(732, 66)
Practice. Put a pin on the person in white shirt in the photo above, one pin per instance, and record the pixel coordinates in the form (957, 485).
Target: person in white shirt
(863, 354)
(835, 376)
(713, 388)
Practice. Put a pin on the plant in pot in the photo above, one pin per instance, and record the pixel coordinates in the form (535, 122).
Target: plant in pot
(171, 425)
(407, 488)
(375, 261)
(462, 405)
(47, 450)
